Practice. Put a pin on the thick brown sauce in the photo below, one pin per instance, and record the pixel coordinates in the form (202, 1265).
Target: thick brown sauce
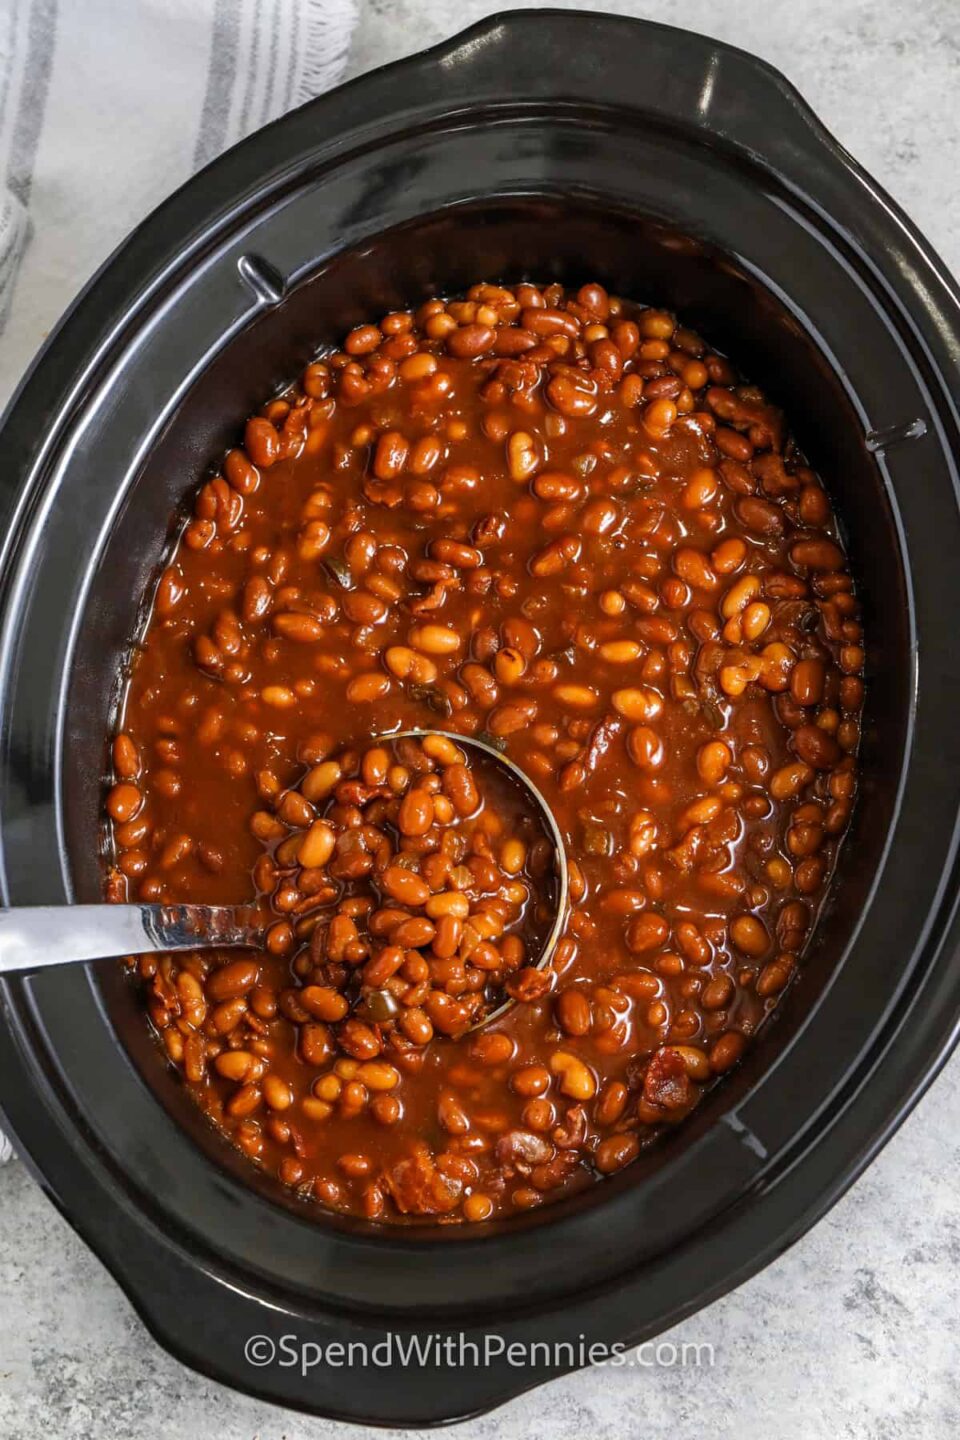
(652, 487)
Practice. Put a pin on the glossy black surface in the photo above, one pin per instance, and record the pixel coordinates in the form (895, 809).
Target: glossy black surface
(701, 181)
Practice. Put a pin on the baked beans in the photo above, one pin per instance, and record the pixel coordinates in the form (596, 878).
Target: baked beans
(562, 523)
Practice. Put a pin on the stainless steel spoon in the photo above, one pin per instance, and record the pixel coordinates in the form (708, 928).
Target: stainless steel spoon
(34, 937)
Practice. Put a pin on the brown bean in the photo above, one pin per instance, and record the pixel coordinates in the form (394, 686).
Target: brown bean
(713, 760)
(749, 935)
(638, 703)
(405, 886)
(694, 567)
(227, 1015)
(790, 779)
(615, 1152)
(530, 1080)
(522, 455)
(243, 1101)
(816, 555)
(257, 600)
(659, 416)
(304, 629)
(774, 976)
(235, 1065)
(362, 340)
(647, 932)
(261, 442)
(460, 787)
(406, 664)
(416, 812)
(452, 552)
(416, 1026)
(364, 608)
(470, 341)
(573, 1012)
(240, 473)
(512, 340)
(124, 802)
(236, 978)
(555, 557)
(645, 748)
(314, 1044)
(816, 747)
(555, 485)
(276, 1092)
(390, 455)
(323, 1002)
(509, 718)
(759, 516)
(725, 1052)
(574, 397)
(358, 1040)
(435, 639)
(126, 759)
(413, 932)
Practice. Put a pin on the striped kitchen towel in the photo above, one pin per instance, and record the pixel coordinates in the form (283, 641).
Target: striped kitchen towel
(107, 105)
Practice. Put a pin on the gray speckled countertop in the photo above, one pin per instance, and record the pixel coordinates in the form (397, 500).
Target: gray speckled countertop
(854, 1332)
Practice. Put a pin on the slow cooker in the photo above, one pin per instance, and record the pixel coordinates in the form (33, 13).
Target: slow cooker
(675, 170)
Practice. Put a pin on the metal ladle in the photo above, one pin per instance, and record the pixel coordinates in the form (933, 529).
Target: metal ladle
(33, 937)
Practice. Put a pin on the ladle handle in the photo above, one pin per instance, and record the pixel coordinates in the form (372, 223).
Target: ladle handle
(35, 936)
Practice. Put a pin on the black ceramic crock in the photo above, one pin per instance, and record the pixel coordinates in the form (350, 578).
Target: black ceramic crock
(550, 145)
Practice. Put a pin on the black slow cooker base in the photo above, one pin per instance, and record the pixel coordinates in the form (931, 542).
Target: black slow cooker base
(702, 183)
